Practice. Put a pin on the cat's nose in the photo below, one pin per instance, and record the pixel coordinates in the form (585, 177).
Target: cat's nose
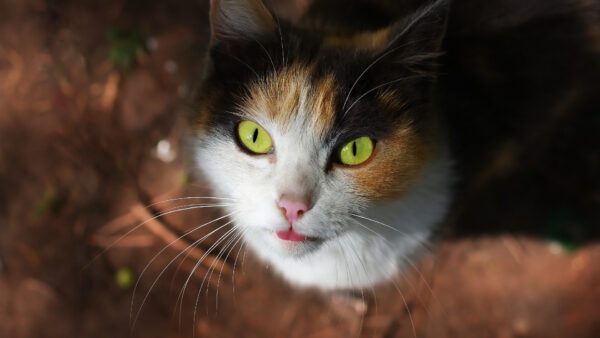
(292, 209)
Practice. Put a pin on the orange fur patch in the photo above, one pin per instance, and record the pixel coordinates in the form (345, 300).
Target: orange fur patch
(395, 165)
(366, 40)
(291, 94)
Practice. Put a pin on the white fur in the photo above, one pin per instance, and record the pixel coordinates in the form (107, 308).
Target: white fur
(349, 255)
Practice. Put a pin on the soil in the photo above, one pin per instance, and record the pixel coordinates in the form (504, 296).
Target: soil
(91, 96)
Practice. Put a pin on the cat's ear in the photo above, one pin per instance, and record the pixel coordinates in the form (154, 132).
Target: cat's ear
(418, 37)
(235, 20)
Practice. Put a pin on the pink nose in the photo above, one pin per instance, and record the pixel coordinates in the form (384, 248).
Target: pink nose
(292, 209)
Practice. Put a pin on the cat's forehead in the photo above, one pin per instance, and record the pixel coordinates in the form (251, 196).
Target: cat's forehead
(324, 96)
(294, 97)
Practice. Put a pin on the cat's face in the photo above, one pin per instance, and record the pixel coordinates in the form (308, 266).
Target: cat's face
(334, 129)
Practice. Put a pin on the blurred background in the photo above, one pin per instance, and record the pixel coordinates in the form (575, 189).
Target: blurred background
(93, 96)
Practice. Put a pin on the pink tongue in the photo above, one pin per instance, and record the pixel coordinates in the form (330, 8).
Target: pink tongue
(290, 235)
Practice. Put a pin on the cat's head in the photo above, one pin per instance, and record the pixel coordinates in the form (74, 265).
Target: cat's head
(304, 129)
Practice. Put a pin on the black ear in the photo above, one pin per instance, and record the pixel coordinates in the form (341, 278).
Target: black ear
(417, 38)
(234, 20)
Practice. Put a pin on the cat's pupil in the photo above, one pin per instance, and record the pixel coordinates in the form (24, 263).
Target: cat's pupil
(354, 148)
(255, 135)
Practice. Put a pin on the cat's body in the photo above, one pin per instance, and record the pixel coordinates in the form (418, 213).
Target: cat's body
(310, 90)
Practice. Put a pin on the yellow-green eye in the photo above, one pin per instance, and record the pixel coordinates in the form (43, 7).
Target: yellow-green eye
(254, 137)
(356, 151)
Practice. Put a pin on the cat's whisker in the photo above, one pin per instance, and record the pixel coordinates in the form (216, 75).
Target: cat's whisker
(189, 198)
(185, 284)
(180, 295)
(130, 231)
(417, 294)
(381, 223)
(240, 61)
(244, 256)
(231, 245)
(200, 205)
(362, 263)
(379, 58)
(244, 243)
(380, 86)
(408, 261)
(240, 237)
(268, 55)
(391, 278)
(199, 261)
(387, 241)
(412, 323)
(346, 262)
(421, 13)
(365, 71)
(211, 268)
(283, 60)
(181, 263)
(164, 269)
(164, 249)
(362, 294)
(410, 236)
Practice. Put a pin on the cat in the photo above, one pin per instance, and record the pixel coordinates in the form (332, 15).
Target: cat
(332, 134)
(327, 143)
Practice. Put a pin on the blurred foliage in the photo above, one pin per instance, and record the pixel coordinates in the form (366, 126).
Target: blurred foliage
(125, 278)
(51, 201)
(565, 230)
(126, 46)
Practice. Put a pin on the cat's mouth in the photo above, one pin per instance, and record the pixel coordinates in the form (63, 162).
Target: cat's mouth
(292, 236)
(290, 242)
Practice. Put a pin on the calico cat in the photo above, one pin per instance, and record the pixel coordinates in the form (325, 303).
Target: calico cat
(327, 143)
(330, 134)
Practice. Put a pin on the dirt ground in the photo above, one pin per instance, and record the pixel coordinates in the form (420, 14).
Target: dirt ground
(92, 99)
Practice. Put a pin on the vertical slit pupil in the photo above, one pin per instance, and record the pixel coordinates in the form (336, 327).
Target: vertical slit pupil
(255, 135)
(354, 148)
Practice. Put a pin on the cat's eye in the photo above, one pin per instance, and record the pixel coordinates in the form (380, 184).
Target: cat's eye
(356, 151)
(254, 138)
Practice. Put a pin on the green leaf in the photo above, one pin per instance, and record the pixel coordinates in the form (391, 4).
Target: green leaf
(126, 46)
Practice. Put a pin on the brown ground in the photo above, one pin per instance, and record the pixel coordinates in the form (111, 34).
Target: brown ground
(78, 134)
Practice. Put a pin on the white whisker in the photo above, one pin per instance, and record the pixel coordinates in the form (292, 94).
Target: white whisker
(242, 62)
(204, 279)
(283, 60)
(268, 55)
(221, 271)
(164, 269)
(362, 294)
(377, 87)
(164, 249)
(244, 243)
(129, 232)
(231, 237)
(189, 198)
(365, 70)
(363, 265)
(410, 236)
(185, 284)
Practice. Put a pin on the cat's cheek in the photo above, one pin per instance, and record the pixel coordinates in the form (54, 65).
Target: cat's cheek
(395, 167)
